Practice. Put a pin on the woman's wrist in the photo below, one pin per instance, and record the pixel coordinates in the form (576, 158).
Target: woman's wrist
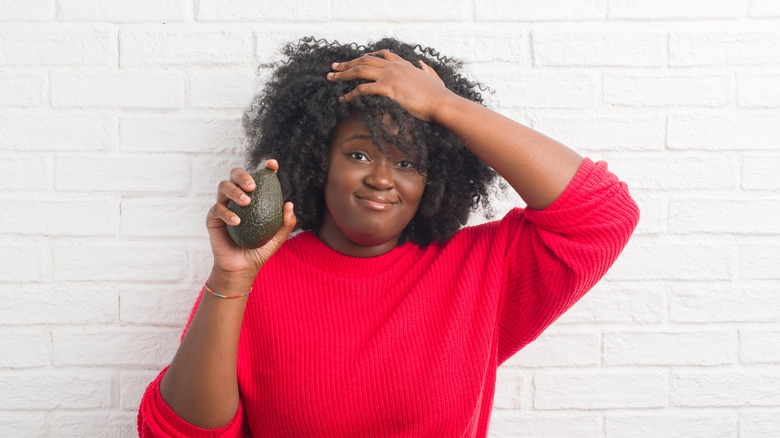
(230, 283)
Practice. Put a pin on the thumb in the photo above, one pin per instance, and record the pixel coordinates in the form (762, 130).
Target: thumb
(427, 68)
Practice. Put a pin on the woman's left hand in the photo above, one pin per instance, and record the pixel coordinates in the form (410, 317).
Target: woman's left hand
(419, 91)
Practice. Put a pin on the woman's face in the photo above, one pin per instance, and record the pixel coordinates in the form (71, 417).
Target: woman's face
(370, 196)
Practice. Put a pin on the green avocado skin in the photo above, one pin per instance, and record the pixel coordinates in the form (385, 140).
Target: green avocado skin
(263, 216)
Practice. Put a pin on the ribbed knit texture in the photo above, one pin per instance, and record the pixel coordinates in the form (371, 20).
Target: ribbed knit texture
(408, 343)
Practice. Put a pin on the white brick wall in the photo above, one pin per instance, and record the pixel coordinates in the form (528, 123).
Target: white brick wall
(118, 118)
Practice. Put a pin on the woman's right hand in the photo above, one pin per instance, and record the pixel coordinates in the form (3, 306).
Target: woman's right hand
(229, 258)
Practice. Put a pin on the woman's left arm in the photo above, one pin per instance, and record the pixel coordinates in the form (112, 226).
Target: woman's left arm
(536, 166)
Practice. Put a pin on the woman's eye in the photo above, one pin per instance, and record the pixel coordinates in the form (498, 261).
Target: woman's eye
(358, 156)
(406, 164)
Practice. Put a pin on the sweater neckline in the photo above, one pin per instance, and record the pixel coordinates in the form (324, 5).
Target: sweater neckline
(318, 253)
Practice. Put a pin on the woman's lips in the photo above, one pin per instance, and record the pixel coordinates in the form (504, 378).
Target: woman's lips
(377, 203)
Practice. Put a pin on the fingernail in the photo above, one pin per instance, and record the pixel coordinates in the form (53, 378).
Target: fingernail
(249, 183)
(234, 219)
(330, 75)
(335, 64)
(244, 198)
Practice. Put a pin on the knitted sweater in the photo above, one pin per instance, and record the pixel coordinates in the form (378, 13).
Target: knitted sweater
(408, 343)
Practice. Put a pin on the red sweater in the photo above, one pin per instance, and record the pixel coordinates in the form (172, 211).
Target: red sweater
(407, 343)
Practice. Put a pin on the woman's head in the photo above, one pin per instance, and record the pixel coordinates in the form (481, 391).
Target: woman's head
(294, 117)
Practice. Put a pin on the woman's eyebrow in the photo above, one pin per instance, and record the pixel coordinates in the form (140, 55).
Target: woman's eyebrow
(357, 137)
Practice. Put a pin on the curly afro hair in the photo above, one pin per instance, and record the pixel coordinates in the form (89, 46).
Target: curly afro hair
(293, 117)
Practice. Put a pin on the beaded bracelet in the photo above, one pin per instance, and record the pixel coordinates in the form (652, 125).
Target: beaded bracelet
(225, 296)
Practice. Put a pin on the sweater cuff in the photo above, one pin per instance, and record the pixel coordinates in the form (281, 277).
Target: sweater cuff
(160, 416)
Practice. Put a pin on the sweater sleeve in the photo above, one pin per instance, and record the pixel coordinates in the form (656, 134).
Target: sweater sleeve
(157, 420)
(554, 256)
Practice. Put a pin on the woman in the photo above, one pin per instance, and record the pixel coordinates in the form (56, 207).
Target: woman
(382, 318)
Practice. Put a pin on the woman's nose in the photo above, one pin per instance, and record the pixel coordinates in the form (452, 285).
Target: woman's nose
(380, 177)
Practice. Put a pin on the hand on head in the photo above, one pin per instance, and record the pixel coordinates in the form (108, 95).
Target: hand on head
(419, 91)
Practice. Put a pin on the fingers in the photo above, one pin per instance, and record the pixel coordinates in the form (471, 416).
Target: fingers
(361, 71)
(368, 59)
(364, 89)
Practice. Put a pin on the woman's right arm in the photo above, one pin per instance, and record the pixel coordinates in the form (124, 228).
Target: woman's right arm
(201, 385)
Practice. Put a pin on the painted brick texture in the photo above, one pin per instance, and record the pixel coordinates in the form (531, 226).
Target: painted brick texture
(118, 119)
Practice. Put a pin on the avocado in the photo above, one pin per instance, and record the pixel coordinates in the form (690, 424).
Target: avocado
(263, 216)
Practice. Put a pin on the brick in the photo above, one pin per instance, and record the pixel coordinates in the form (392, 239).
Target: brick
(652, 90)
(724, 216)
(75, 217)
(201, 261)
(160, 305)
(402, 10)
(600, 389)
(723, 132)
(715, 425)
(219, 89)
(654, 212)
(23, 424)
(181, 133)
(714, 303)
(673, 260)
(515, 87)
(32, 10)
(103, 424)
(700, 348)
(472, 43)
(55, 44)
(764, 8)
(617, 302)
(759, 262)
(26, 172)
(759, 171)
(506, 423)
(29, 257)
(123, 11)
(37, 130)
(115, 346)
(591, 47)
(164, 217)
(509, 389)
(597, 133)
(539, 10)
(29, 347)
(758, 90)
(120, 89)
(262, 10)
(556, 348)
(270, 40)
(734, 388)
(126, 173)
(759, 424)
(759, 346)
(132, 385)
(735, 47)
(58, 303)
(117, 260)
(666, 9)
(209, 171)
(184, 47)
(22, 90)
(679, 171)
(33, 389)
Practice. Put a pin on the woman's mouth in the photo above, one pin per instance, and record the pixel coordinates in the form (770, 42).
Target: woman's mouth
(377, 203)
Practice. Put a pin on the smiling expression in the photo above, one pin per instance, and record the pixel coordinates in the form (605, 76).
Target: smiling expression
(370, 195)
